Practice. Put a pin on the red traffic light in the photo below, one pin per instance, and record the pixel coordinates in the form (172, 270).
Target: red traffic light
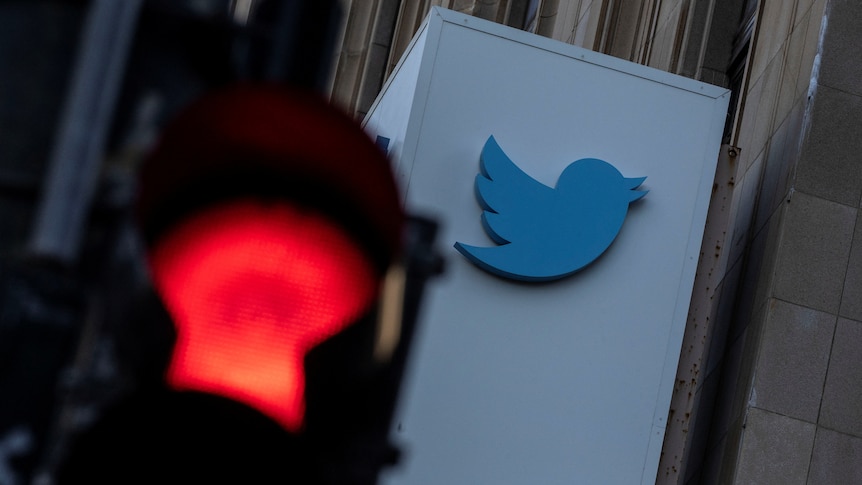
(270, 219)
(252, 288)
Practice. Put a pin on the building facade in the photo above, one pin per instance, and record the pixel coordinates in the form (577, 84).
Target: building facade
(768, 384)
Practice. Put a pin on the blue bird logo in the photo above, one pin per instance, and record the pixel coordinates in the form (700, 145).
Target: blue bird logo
(547, 233)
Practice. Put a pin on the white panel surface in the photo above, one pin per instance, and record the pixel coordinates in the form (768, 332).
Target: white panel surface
(554, 383)
(389, 116)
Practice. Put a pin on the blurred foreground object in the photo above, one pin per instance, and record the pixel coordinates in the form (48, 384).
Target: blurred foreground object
(288, 280)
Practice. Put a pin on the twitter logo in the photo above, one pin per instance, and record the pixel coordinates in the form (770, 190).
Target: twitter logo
(546, 233)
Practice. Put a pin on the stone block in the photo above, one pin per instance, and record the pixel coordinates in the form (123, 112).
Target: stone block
(831, 161)
(813, 252)
(793, 358)
(774, 29)
(842, 395)
(841, 42)
(775, 449)
(744, 205)
(851, 297)
(837, 458)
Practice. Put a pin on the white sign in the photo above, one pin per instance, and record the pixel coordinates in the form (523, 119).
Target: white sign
(561, 382)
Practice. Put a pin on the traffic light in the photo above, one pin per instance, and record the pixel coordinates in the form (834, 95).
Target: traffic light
(273, 344)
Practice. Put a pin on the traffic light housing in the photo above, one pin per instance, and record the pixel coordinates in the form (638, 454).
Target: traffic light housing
(274, 236)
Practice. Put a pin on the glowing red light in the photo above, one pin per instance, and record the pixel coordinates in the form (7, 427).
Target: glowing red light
(252, 288)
